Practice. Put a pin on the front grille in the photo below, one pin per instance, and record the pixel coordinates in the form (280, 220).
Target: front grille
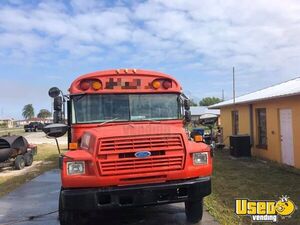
(116, 155)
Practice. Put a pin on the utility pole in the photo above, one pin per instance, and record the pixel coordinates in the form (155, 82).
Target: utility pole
(223, 95)
(233, 85)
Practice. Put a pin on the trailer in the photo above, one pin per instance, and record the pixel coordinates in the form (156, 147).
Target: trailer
(15, 151)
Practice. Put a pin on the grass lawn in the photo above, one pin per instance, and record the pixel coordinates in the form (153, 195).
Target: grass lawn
(46, 153)
(12, 131)
(252, 179)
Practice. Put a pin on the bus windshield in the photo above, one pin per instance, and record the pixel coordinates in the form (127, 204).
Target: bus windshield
(124, 107)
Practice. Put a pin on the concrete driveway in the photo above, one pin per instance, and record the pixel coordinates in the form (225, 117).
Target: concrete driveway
(40, 138)
(40, 196)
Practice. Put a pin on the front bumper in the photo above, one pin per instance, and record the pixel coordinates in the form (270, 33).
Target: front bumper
(140, 195)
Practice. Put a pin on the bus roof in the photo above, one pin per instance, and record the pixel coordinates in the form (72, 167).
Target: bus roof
(125, 81)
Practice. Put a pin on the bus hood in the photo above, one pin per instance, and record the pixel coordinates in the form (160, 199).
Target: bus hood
(154, 128)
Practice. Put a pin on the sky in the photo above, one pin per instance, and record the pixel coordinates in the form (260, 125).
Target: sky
(50, 43)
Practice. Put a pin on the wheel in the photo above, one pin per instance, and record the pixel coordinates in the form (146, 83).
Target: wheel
(28, 159)
(19, 162)
(69, 217)
(194, 211)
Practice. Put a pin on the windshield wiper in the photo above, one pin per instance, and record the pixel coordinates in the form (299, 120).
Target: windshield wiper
(108, 121)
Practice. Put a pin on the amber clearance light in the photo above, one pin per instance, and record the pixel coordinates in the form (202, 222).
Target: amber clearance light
(96, 85)
(156, 84)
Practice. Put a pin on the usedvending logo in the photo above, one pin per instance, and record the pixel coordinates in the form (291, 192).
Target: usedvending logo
(265, 210)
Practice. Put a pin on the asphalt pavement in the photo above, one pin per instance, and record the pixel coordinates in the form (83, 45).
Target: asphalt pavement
(40, 197)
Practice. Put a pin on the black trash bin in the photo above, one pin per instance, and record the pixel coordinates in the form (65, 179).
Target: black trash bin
(240, 146)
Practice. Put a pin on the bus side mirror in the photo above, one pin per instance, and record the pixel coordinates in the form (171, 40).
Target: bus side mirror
(186, 104)
(55, 130)
(54, 92)
(187, 116)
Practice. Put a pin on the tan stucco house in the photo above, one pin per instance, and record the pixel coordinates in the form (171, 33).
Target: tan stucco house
(271, 117)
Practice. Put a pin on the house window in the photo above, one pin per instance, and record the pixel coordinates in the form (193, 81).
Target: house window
(235, 122)
(262, 127)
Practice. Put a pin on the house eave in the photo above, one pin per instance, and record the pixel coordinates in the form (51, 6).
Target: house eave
(251, 101)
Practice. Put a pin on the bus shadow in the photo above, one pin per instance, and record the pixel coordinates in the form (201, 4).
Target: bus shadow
(154, 215)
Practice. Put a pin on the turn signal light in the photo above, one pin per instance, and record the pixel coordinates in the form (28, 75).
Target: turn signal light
(198, 138)
(96, 85)
(156, 84)
(73, 146)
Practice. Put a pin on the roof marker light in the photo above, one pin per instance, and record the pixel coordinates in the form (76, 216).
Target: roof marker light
(156, 84)
(167, 84)
(96, 85)
(85, 85)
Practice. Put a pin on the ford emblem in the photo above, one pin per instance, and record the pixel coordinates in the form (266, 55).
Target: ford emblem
(142, 154)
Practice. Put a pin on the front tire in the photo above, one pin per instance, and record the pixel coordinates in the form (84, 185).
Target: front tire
(19, 162)
(194, 211)
(28, 159)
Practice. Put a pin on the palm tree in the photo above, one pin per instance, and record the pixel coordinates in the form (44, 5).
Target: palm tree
(28, 111)
(44, 113)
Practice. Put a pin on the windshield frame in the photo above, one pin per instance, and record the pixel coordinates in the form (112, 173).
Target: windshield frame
(115, 120)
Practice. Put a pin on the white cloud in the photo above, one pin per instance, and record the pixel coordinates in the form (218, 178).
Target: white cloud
(258, 36)
(86, 5)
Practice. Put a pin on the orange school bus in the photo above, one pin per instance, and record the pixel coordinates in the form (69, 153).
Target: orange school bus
(128, 145)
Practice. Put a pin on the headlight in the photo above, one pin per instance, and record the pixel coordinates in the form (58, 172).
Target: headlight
(200, 158)
(74, 168)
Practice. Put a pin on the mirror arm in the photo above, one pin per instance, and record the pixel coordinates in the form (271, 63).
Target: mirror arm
(56, 141)
(64, 98)
(58, 148)
(184, 97)
(57, 145)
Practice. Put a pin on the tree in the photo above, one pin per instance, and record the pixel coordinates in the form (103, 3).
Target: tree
(209, 101)
(44, 113)
(192, 103)
(28, 111)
